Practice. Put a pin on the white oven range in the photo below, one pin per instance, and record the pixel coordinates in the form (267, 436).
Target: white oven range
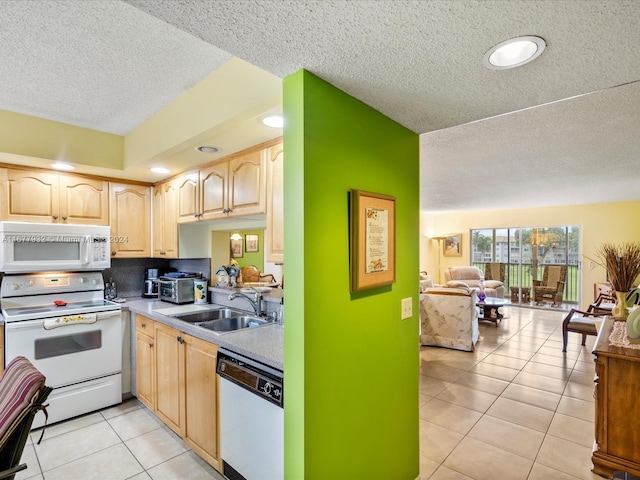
(61, 322)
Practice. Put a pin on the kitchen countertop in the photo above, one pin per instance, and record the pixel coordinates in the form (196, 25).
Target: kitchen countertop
(264, 344)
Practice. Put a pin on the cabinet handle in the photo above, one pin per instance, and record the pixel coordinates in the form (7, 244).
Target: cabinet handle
(113, 252)
(55, 217)
(180, 340)
(143, 325)
(64, 218)
(151, 345)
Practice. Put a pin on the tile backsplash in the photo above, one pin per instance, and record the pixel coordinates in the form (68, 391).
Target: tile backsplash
(128, 273)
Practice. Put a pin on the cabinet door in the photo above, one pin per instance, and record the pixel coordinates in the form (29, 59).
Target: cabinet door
(158, 220)
(84, 200)
(274, 232)
(201, 424)
(188, 198)
(31, 197)
(130, 207)
(170, 230)
(170, 377)
(247, 182)
(214, 186)
(145, 370)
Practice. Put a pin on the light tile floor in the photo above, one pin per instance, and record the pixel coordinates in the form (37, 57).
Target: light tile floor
(516, 408)
(123, 442)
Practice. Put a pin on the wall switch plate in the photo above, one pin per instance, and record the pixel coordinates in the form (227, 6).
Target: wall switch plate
(407, 308)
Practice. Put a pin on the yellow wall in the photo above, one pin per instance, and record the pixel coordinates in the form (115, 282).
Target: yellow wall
(602, 222)
(40, 138)
(208, 105)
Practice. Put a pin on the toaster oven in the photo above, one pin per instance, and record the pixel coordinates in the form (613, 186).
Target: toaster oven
(176, 290)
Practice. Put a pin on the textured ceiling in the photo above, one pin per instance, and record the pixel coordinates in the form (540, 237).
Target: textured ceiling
(109, 65)
(103, 65)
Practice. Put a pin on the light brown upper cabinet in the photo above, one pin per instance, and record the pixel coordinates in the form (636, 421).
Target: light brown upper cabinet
(274, 232)
(232, 187)
(37, 196)
(165, 220)
(130, 207)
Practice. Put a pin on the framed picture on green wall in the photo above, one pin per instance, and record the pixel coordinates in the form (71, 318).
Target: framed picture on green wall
(251, 243)
(373, 240)
(236, 248)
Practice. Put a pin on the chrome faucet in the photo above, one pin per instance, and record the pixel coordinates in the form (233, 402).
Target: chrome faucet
(256, 302)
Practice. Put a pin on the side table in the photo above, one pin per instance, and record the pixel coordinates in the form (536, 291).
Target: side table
(525, 296)
(490, 309)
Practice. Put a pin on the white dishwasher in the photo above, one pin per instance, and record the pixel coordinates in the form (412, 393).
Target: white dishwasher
(251, 418)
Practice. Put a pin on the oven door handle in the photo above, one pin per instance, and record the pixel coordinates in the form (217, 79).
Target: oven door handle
(51, 323)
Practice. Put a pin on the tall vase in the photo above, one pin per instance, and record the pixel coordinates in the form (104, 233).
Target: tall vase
(620, 309)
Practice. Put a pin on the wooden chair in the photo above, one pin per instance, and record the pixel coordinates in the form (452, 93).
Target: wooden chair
(22, 393)
(551, 287)
(579, 322)
(604, 303)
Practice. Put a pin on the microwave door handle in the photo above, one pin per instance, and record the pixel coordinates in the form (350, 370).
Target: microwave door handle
(87, 250)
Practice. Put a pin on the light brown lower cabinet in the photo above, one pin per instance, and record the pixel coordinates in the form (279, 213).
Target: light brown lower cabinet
(617, 424)
(183, 385)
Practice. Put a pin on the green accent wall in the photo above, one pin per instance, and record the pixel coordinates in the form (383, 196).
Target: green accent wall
(352, 365)
(251, 258)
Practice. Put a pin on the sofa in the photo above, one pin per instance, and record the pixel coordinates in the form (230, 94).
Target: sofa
(470, 277)
(449, 318)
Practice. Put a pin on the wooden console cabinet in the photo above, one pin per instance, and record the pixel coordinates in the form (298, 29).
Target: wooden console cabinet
(617, 426)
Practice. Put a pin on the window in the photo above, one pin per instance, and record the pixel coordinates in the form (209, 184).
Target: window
(526, 250)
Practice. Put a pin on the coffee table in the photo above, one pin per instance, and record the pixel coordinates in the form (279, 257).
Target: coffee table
(490, 309)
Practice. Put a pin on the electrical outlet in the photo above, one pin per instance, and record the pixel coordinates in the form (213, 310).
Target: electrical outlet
(407, 308)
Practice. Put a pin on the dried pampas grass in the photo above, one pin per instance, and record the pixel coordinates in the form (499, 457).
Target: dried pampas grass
(622, 262)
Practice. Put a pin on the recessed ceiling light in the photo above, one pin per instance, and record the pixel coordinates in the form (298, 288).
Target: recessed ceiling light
(207, 149)
(62, 166)
(275, 121)
(514, 52)
(159, 170)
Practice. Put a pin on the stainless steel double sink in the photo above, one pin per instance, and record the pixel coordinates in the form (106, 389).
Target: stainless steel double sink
(221, 320)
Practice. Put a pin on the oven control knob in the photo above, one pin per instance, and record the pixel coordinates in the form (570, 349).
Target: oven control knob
(15, 286)
(82, 279)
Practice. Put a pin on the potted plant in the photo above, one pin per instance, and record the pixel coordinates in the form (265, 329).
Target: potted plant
(622, 263)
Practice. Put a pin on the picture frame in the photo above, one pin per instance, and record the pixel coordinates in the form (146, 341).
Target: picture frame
(236, 248)
(452, 245)
(251, 243)
(372, 240)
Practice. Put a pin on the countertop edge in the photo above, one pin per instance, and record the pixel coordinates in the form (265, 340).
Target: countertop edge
(264, 344)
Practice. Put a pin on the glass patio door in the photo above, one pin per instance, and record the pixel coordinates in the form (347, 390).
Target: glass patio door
(525, 252)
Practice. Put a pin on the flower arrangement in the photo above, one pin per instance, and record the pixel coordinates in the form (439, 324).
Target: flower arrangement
(622, 262)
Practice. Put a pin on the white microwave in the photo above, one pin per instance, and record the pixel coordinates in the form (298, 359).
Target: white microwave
(43, 247)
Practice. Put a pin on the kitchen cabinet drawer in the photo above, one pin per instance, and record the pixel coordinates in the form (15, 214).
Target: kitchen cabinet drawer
(144, 325)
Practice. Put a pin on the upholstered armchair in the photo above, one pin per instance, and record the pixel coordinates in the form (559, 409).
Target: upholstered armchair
(551, 287)
(426, 281)
(449, 318)
(471, 277)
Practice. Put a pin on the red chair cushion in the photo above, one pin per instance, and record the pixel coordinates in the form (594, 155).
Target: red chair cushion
(19, 387)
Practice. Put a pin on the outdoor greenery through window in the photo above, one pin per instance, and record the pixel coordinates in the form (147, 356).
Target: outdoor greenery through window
(526, 251)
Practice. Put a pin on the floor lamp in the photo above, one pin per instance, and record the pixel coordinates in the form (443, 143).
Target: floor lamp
(439, 239)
